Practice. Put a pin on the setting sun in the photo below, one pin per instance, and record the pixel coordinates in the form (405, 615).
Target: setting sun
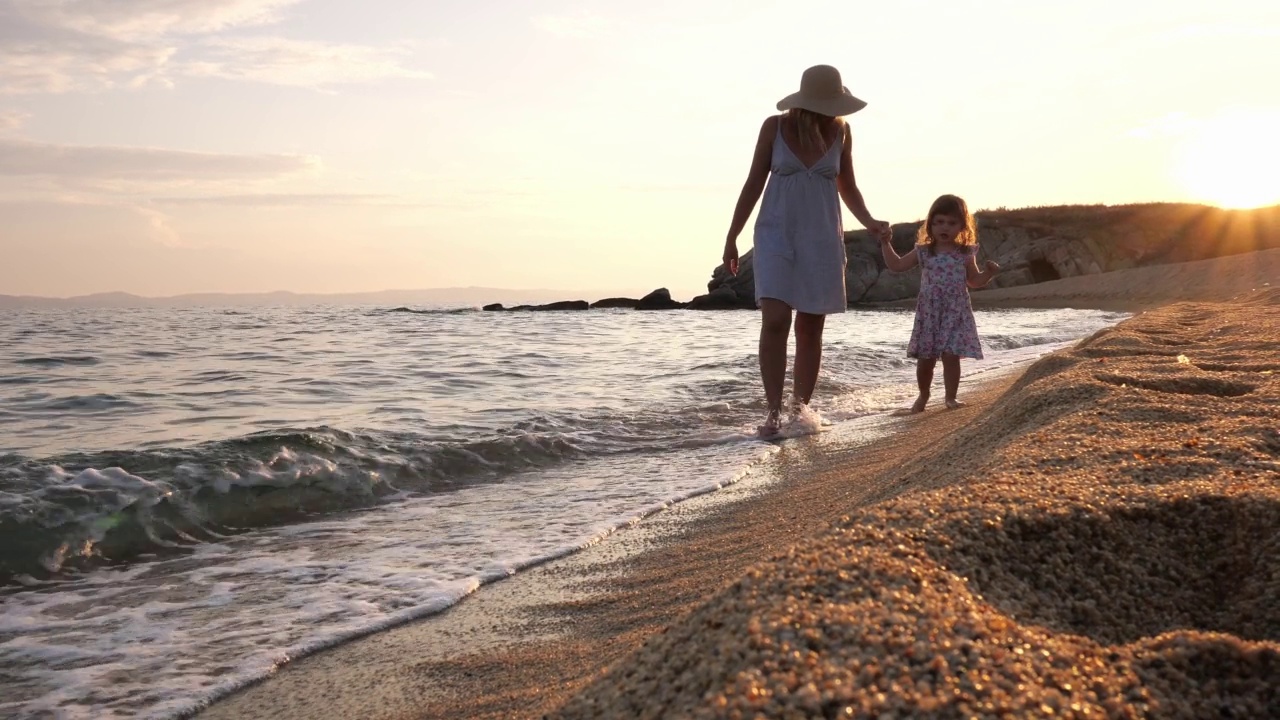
(1232, 160)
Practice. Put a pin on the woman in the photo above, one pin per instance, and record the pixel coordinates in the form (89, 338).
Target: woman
(805, 156)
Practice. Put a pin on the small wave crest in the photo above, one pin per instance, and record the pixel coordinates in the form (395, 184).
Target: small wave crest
(58, 361)
(996, 342)
(78, 511)
(430, 311)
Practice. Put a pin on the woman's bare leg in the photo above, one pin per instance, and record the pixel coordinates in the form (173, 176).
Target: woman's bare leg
(924, 380)
(808, 355)
(775, 327)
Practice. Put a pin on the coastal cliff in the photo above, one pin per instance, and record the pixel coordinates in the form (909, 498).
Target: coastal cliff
(1034, 245)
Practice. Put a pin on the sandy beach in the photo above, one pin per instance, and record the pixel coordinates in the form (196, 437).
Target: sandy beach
(1095, 536)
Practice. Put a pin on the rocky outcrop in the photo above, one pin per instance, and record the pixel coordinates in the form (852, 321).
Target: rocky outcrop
(564, 305)
(659, 299)
(561, 305)
(616, 302)
(1035, 245)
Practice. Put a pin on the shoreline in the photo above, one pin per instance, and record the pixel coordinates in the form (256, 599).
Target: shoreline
(1103, 540)
(562, 618)
(520, 651)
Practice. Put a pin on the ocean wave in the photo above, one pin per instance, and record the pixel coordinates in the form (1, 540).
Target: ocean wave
(59, 360)
(77, 511)
(93, 403)
(81, 510)
(429, 311)
(19, 380)
(997, 342)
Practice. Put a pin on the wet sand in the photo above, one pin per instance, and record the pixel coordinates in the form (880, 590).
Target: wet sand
(1096, 536)
(1102, 541)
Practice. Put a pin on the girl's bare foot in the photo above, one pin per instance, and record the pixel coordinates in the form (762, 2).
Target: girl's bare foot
(920, 403)
(772, 425)
(952, 404)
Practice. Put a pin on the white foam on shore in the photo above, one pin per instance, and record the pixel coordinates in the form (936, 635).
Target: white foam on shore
(165, 639)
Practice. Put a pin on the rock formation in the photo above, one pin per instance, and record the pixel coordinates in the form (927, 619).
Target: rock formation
(1032, 245)
(1041, 244)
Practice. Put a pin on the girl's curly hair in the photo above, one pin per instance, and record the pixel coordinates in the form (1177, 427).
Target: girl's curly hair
(956, 207)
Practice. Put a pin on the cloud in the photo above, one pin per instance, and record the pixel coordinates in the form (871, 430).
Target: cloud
(301, 63)
(11, 120)
(283, 200)
(150, 19)
(158, 228)
(39, 57)
(60, 46)
(575, 25)
(87, 162)
(67, 67)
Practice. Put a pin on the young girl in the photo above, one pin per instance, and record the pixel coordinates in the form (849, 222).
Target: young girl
(806, 158)
(946, 251)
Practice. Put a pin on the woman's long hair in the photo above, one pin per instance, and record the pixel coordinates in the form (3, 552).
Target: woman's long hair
(809, 126)
(955, 207)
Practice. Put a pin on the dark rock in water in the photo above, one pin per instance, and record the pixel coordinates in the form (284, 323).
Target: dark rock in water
(743, 285)
(615, 302)
(659, 299)
(563, 305)
(722, 298)
(493, 306)
(519, 308)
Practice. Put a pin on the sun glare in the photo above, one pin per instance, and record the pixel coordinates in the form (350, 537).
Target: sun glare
(1233, 160)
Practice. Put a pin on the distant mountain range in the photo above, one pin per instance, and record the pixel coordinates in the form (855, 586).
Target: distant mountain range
(438, 297)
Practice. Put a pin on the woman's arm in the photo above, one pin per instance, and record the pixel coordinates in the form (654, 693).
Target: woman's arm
(976, 278)
(850, 193)
(751, 189)
(892, 260)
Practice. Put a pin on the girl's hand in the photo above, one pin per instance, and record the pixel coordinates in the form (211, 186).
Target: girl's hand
(880, 229)
(731, 257)
(992, 267)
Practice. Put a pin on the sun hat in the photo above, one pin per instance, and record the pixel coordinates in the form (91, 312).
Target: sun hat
(822, 92)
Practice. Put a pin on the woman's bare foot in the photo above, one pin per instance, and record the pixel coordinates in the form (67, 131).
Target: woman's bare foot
(920, 403)
(772, 425)
(796, 409)
(952, 404)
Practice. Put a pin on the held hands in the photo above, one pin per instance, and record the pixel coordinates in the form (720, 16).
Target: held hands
(880, 230)
(731, 257)
(992, 267)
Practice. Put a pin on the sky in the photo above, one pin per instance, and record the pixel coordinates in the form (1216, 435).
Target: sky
(175, 146)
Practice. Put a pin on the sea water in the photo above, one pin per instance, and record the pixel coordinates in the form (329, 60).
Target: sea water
(191, 497)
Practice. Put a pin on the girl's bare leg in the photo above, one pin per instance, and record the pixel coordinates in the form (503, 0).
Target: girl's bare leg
(775, 327)
(951, 379)
(924, 380)
(808, 355)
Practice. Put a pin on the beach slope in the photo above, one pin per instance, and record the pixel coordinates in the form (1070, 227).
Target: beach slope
(1104, 540)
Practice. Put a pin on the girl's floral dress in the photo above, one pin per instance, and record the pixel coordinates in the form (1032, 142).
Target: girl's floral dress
(944, 317)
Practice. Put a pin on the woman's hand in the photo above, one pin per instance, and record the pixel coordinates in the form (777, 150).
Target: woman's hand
(731, 257)
(880, 229)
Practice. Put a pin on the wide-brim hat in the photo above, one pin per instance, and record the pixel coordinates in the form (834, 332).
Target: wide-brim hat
(822, 92)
